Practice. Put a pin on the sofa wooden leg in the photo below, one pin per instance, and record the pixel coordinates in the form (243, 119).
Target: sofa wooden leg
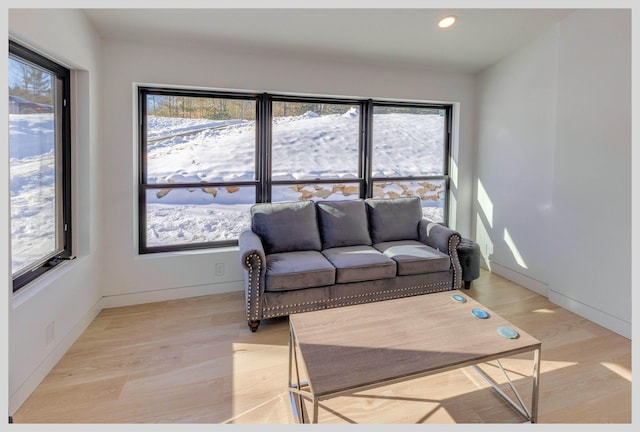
(467, 284)
(253, 325)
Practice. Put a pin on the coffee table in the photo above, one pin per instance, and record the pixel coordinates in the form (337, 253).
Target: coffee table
(354, 348)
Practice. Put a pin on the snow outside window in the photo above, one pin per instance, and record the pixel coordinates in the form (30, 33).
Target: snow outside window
(38, 165)
(208, 156)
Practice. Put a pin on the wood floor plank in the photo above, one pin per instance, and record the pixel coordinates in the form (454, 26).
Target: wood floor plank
(195, 361)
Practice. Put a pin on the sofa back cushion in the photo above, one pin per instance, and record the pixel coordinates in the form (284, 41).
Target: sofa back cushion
(393, 219)
(286, 226)
(343, 223)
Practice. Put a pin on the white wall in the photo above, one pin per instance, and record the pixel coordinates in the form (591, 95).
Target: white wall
(69, 295)
(554, 155)
(129, 278)
(516, 138)
(591, 269)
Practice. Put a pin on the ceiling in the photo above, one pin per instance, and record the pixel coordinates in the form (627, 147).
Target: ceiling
(409, 37)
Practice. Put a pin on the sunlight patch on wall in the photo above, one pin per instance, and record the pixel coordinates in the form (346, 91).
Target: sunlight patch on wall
(453, 209)
(453, 172)
(485, 203)
(618, 369)
(484, 240)
(514, 249)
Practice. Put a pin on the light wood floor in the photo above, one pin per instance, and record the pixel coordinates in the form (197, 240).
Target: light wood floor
(195, 361)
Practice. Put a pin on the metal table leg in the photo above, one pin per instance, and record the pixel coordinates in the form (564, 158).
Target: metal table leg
(531, 416)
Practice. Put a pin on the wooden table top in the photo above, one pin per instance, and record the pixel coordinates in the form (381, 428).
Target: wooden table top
(349, 347)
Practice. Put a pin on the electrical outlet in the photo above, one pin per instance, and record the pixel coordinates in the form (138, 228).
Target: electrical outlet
(50, 333)
(220, 269)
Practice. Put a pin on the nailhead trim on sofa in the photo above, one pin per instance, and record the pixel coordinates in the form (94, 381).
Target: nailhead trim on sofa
(357, 296)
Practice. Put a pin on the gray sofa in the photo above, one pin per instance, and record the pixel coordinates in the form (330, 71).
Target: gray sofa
(303, 256)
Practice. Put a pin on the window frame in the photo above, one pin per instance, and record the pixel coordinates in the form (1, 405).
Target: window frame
(62, 163)
(444, 177)
(361, 170)
(263, 181)
(143, 186)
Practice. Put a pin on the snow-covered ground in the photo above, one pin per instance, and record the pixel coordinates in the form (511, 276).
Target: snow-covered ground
(32, 194)
(305, 148)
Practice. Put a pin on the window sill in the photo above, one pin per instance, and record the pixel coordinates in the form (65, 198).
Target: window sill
(194, 252)
(36, 286)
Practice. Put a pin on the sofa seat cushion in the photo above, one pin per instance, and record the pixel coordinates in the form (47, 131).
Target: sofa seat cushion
(360, 263)
(295, 270)
(343, 223)
(286, 226)
(414, 257)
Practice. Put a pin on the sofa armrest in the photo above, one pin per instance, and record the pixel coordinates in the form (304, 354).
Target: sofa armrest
(445, 240)
(254, 262)
(250, 244)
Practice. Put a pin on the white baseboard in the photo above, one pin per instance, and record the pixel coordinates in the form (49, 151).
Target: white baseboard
(169, 294)
(27, 387)
(607, 321)
(522, 280)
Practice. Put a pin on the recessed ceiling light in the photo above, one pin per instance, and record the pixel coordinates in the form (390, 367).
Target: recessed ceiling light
(447, 21)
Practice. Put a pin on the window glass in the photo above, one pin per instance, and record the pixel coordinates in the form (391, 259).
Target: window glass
(313, 141)
(316, 192)
(432, 194)
(408, 141)
(37, 145)
(197, 139)
(209, 144)
(185, 216)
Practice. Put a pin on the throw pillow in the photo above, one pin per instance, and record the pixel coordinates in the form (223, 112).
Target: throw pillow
(286, 226)
(394, 218)
(343, 223)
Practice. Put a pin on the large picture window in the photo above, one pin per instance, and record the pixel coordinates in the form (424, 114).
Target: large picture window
(206, 157)
(39, 167)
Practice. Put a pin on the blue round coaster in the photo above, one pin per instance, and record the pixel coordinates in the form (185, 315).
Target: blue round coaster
(507, 332)
(458, 298)
(480, 313)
